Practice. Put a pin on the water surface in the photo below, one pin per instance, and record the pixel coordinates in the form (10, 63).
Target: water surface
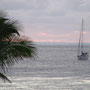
(56, 68)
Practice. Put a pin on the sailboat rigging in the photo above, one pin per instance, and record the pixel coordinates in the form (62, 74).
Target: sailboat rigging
(82, 55)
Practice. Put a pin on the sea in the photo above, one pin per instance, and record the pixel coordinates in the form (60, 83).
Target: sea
(55, 67)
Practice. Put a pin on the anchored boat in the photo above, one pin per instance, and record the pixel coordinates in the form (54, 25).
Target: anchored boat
(82, 54)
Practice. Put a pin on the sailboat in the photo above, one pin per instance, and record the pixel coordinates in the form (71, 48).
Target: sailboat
(82, 54)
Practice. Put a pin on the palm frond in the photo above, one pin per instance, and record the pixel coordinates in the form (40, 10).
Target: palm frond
(12, 47)
(8, 27)
(2, 76)
(15, 51)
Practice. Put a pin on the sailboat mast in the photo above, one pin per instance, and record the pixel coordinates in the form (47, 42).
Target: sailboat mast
(80, 45)
(82, 35)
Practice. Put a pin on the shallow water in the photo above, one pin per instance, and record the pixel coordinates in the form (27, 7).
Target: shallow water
(56, 68)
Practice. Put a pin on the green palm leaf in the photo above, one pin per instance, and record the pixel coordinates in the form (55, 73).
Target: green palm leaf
(13, 48)
(15, 51)
(7, 28)
(2, 76)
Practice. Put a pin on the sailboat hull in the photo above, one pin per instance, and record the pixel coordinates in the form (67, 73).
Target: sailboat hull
(82, 54)
(83, 57)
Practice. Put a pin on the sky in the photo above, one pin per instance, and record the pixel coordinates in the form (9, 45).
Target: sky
(50, 20)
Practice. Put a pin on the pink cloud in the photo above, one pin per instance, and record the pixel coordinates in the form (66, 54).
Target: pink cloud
(43, 34)
(85, 32)
(50, 40)
(50, 37)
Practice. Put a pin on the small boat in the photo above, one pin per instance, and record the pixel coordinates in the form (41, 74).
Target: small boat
(82, 54)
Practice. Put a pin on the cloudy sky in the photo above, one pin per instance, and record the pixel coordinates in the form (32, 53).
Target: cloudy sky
(50, 20)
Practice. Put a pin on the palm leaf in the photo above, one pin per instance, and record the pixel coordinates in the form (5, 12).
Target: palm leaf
(2, 76)
(12, 47)
(15, 51)
(8, 27)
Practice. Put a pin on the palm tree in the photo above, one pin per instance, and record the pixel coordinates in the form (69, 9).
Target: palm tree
(12, 46)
